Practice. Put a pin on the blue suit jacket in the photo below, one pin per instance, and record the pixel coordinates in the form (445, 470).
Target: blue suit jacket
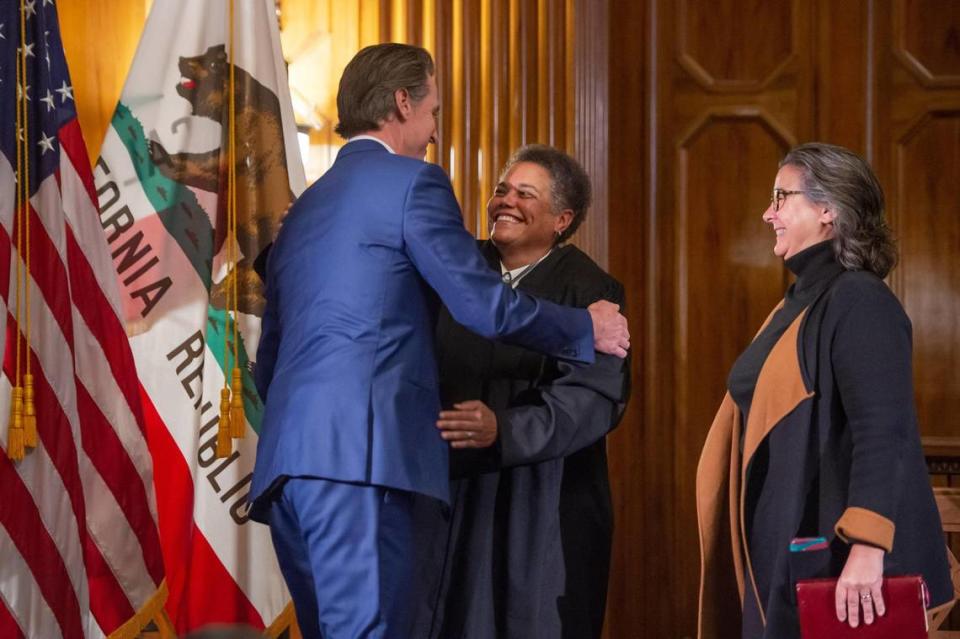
(346, 360)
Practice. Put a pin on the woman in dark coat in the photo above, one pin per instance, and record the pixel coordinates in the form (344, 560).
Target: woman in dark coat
(524, 550)
(817, 437)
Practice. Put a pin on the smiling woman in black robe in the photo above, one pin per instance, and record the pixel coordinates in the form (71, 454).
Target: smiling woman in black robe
(524, 550)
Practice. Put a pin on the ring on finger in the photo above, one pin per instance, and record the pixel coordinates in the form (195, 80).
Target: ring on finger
(866, 596)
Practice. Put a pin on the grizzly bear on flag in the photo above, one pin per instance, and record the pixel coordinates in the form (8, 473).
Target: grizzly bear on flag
(263, 187)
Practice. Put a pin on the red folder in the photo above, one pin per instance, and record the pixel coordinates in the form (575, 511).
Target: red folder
(906, 615)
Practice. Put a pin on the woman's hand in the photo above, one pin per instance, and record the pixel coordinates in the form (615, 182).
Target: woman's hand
(470, 425)
(859, 585)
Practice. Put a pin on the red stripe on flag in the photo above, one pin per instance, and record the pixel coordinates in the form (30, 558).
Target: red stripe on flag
(105, 326)
(192, 567)
(194, 571)
(94, 306)
(48, 271)
(101, 320)
(5, 250)
(108, 601)
(71, 143)
(108, 456)
(21, 518)
(52, 282)
(9, 629)
(52, 424)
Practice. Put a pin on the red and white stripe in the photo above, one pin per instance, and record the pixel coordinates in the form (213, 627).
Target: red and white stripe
(79, 541)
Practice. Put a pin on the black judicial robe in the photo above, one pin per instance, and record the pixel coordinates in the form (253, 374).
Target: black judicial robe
(523, 552)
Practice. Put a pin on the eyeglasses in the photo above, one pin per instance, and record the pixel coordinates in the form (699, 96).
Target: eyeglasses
(778, 197)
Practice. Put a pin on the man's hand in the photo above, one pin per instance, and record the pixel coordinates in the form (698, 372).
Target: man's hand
(610, 333)
(470, 425)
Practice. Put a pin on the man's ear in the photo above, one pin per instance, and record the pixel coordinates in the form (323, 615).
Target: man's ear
(404, 104)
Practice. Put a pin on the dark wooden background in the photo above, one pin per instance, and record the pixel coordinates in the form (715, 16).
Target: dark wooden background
(680, 110)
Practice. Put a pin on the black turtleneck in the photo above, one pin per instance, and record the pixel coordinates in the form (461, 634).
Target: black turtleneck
(815, 267)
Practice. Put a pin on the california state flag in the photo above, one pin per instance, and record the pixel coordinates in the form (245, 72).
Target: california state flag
(162, 184)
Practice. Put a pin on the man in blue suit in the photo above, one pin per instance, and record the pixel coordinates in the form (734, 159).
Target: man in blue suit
(346, 363)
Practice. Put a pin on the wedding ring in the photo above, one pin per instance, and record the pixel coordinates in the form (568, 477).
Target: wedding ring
(865, 597)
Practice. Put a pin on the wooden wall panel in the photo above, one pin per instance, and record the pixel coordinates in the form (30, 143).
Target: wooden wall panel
(720, 120)
(98, 72)
(505, 70)
(917, 132)
(723, 256)
(723, 51)
(637, 443)
(926, 38)
(928, 278)
(591, 125)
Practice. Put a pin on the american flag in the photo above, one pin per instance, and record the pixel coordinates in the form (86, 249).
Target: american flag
(79, 545)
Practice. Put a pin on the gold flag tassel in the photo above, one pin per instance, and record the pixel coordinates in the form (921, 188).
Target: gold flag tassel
(224, 443)
(224, 439)
(29, 409)
(238, 420)
(226, 428)
(16, 447)
(30, 437)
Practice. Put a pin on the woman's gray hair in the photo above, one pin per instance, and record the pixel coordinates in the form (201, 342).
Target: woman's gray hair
(845, 183)
(569, 183)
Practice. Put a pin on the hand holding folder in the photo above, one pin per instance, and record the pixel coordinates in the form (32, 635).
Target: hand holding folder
(906, 600)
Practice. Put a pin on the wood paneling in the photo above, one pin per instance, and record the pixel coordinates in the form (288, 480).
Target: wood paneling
(636, 443)
(927, 39)
(591, 126)
(917, 133)
(928, 279)
(98, 67)
(705, 97)
(506, 73)
(718, 124)
(724, 52)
